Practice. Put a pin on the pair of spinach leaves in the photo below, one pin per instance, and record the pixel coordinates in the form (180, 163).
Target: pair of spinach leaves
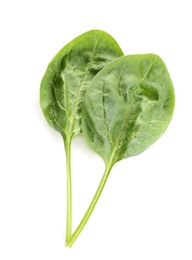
(121, 104)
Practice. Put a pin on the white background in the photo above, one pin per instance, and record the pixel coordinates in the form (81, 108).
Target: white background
(145, 211)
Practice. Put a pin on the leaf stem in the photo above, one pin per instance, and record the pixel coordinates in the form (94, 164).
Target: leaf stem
(91, 207)
(67, 144)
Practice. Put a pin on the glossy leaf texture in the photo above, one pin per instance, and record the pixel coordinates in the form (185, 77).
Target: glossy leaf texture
(68, 76)
(128, 107)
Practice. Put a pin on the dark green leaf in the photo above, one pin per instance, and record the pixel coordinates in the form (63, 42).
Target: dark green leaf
(127, 107)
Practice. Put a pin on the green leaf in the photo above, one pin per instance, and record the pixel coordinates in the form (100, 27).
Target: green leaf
(128, 107)
(63, 87)
(68, 76)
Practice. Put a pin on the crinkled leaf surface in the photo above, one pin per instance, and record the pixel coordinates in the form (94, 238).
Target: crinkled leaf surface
(127, 107)
(68, 76)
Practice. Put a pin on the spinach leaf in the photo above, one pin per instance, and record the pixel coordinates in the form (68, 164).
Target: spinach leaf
(126, 109)
(63, 87)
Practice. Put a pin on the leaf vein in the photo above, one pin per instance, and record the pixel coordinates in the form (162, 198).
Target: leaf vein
(82, 85)
(56, 97)
(104, 115)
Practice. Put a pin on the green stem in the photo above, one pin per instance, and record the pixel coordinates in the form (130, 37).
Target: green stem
(67, 143)
(90, 208)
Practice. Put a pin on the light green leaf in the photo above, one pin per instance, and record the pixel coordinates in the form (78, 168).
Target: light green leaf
(68, 76)
(64, 84)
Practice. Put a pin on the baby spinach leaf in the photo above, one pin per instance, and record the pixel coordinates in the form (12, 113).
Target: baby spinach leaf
(68, 76)
(63, 87)
(127, 107)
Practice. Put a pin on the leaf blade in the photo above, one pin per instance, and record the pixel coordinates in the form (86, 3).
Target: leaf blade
(68, 76)
(139, 107)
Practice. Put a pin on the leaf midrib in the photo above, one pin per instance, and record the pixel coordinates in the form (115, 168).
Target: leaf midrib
(75, 104)
(116, 147)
